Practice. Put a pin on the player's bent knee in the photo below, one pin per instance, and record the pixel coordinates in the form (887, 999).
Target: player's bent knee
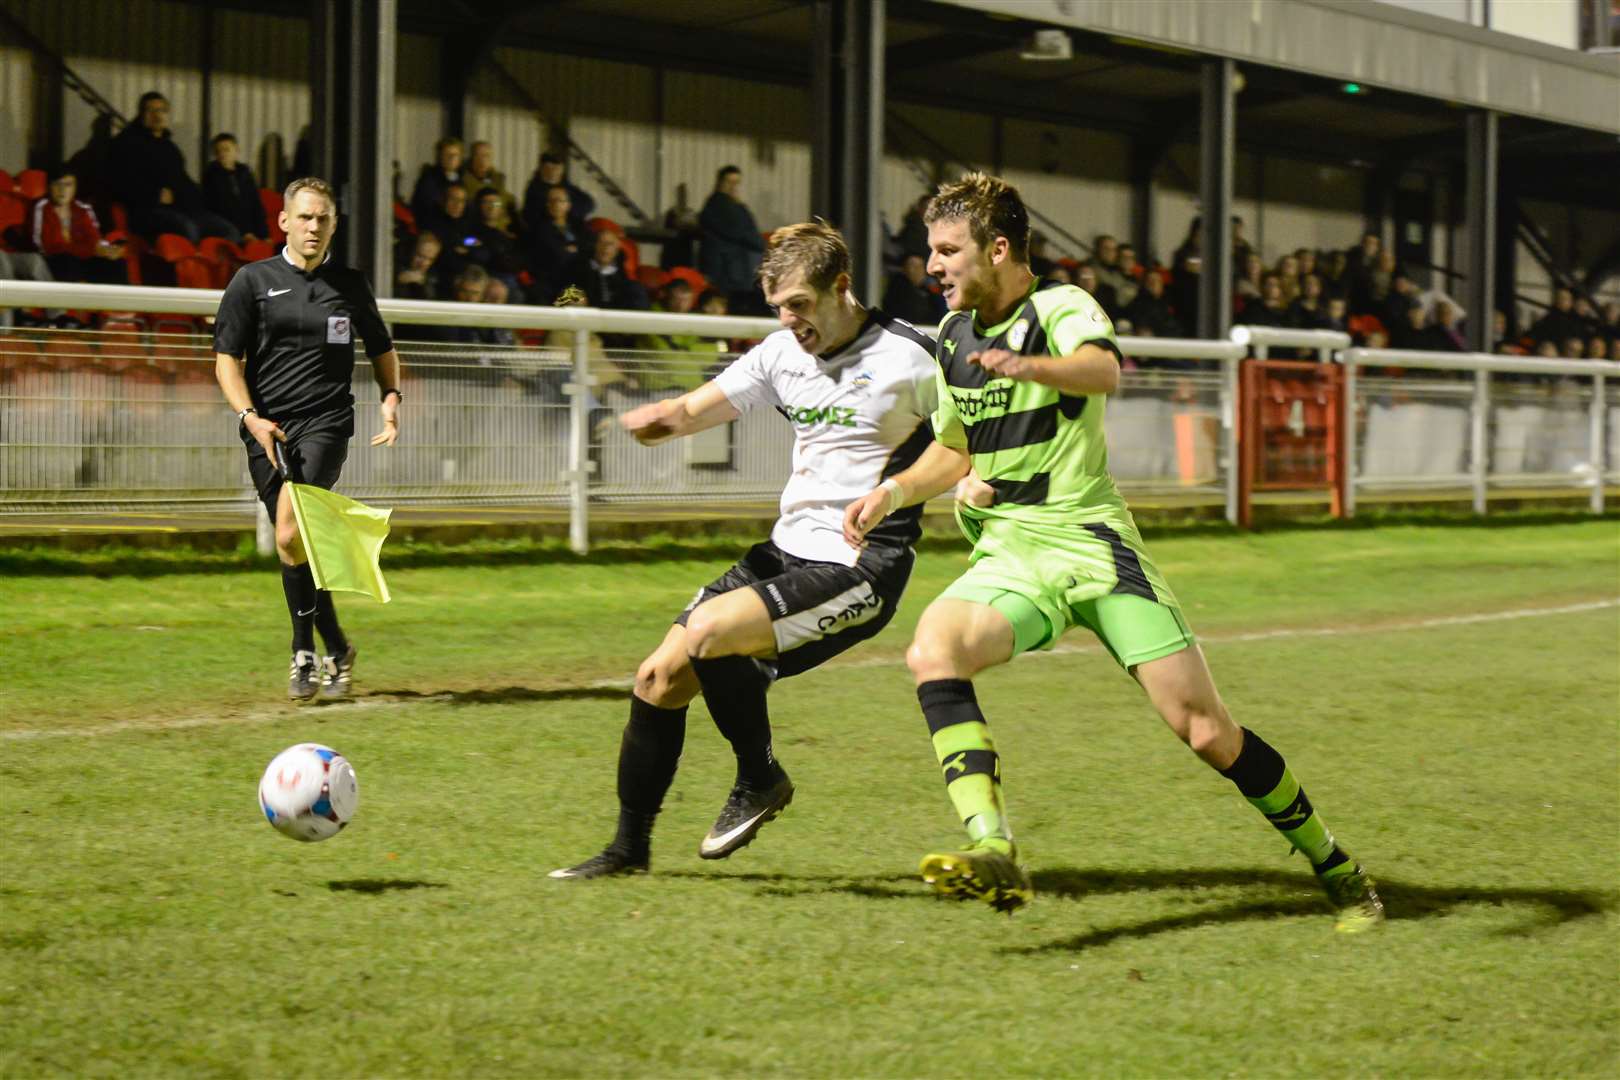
(666, 682)
(706, 634)
(930, 657)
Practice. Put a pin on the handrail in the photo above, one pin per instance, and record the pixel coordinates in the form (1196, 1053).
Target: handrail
(1268, 336)
(1527, 365)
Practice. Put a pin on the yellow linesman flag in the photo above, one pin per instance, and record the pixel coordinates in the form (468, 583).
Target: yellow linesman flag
(343, 540)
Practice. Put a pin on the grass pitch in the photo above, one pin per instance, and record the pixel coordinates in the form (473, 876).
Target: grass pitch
(1447, 695)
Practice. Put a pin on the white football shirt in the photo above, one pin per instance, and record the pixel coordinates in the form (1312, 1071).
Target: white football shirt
(858, 415)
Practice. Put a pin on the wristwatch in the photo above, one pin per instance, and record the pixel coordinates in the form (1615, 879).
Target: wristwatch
(395, 391)
(242, 416)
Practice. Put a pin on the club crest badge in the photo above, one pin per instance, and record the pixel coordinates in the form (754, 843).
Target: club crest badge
(1017, 335)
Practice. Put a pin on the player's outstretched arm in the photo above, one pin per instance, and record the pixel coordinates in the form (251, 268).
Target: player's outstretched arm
(937, 470)
(703, 408)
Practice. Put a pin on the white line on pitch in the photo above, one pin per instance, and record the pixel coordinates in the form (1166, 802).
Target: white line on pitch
(258, 716)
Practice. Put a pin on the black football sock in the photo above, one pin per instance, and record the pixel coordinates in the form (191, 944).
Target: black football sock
(299, 585)
(648, 756)
(734, 689)
(326, 621)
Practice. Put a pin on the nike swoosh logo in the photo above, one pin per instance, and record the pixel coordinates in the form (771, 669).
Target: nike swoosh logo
(301, 614)
(276, 292)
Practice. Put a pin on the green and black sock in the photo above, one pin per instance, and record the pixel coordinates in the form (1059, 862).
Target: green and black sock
(1265, 780)
(967, 758)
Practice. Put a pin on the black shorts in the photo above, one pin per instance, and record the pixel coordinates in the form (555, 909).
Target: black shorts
(818, 609)
(315, 450)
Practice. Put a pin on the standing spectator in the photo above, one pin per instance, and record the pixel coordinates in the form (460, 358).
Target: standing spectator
(601, 277)
(481, 175)
(437, 178)
(909, 297)
(1105, 261)
(149, 177)
(1359, 265)
(732, 245)
(1240, 246)
(1149, 312)
(552, 173)
(230, 190)
(553, 243)
(1401, 298)
(1130, 272)
(682, 221)
(1186, 264)
(67, 234)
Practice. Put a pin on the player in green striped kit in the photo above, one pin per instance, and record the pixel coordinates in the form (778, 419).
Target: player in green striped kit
(1025, 367)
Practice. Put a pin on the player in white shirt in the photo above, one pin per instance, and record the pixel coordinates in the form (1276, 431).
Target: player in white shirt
(858, 387)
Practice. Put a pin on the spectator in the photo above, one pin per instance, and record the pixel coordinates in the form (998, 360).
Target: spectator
(1186, 264)
(714, 302)
(1086, 278)
(1149, 313)
(1105, 261)
(418, 275)
(1307, 263)
(552, 173)
(1611, 318)
(1597, 348)
(1271, 308)
(1500, 343)
(1402, 296)
(676, 371)
(553, 242)
(1574, 349)
(436, 179)
(1547, 350)
(1415, 331)
(454, 226)
(913, 236)
(1240, 246)
(1333, 274)
(1250, 273)
(1131, 271)
(682, 221)
(1360, 260)
(481, 175)
(230, 190)
(496, 251)
(149, 177)
(1560, 323)
(601, 277)
(909, 296)
(1309, 312)
(67, 234)
(1446, 320)
(496, 292)
(1040, 262)
(1288, 274)
(1060, 272)
(732, 245)
(1338, 315)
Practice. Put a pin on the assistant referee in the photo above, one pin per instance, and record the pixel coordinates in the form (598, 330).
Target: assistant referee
(292, 318)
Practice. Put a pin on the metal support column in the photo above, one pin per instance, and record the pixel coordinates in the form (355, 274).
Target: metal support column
(1596, 437)
(1217, 141)
(1481, 211)
(1144, 160)
(847, 103)
(1351, 412)
(352, 129)
(579, 446)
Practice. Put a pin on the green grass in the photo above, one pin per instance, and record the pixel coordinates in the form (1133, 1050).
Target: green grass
(152, 924)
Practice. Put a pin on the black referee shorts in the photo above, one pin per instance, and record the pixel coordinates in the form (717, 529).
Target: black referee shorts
(818, 609)
(315, 450)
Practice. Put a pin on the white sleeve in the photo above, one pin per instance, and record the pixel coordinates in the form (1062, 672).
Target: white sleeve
(746, 381)
(926, 385)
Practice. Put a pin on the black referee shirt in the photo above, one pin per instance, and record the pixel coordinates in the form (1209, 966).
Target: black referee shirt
(296, 329)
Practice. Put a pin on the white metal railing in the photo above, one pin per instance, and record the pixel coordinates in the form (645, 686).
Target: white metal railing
(138, 421)
(1564, 389)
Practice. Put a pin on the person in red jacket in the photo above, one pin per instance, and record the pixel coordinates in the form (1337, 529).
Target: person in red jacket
(66, 232)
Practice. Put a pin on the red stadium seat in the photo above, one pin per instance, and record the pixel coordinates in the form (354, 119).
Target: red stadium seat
(652, 278)
(271, 201)
(172, 247)
(118, 218)
(8, 183)
(255, 250)
(13, 210)
(220, 250)
(196, 272)
(31, 183)
(403, 216)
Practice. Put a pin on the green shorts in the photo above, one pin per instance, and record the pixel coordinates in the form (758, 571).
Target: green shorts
(1046, 579)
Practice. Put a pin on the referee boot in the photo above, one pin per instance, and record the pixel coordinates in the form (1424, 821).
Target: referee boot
(336, 675)
(303, 676)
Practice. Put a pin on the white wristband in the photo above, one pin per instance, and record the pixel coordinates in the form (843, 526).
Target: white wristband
(896, 495)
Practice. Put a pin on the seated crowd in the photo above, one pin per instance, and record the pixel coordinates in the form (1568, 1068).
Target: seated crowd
(463, 234)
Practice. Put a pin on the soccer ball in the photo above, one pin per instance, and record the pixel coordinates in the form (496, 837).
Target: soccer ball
(309, 792)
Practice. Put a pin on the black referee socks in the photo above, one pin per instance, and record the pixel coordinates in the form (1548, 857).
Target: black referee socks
(299, 585)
